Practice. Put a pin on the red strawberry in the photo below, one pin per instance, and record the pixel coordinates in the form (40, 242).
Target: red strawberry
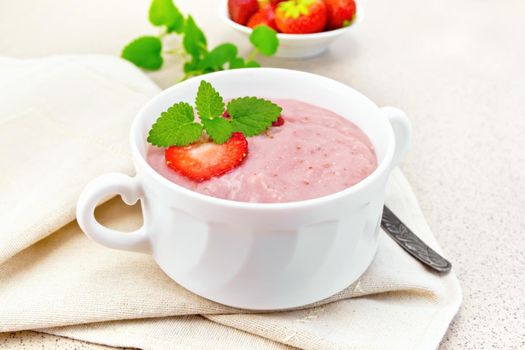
(265, 15)
(278, 122)
(241, 10)
(274, 2)
(340, 13)
(203, 160)
(301, 16)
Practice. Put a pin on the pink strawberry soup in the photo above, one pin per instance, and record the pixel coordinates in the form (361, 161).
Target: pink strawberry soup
(315, 153)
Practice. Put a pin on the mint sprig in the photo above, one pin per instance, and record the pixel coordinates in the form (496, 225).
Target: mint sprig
(252, 115)
(209, 102)
(218, 57)
(165, 13)
(177, 126)
(194, 40)
(144, 52)
(265, 40)
(148, 52)
(219, 129)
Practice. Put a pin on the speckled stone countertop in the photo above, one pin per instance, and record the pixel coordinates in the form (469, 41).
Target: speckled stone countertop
(457, 69)
(35, 340)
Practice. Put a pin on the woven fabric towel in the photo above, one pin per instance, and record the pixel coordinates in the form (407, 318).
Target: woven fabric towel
(73, 114)
(63, 121)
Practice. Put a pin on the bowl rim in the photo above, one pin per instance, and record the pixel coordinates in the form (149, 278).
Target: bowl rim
(224, 15)
(384, 166)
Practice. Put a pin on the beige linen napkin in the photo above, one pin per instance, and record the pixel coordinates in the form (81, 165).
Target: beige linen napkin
(63, 120)
(70, 286)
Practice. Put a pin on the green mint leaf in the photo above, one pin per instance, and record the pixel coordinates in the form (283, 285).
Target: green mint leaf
(236, 62)
(265, 40)
(217, 57)
(252, 64)
(219, 129)
(194, 41)
(191, 66)
(165, 13)
(252, 115)
(144, 52)
(175, 127)
(209, 102)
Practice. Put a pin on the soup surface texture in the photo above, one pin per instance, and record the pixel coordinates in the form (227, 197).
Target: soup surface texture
(315, 152)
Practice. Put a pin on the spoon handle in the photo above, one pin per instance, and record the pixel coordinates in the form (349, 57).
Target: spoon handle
(403, 236)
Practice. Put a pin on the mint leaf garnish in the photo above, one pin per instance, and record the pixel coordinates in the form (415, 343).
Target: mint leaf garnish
(218, 129)
(217, 57)
(175, 127)
(144, 52)
(194, 41)
(165, 13)
(208, 102)
(210, 107)
(252, 115)
(265, 40)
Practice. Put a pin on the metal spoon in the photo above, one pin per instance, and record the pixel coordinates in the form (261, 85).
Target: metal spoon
(403, 236)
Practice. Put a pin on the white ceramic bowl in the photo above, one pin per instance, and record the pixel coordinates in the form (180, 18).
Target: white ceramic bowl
(297, 45)
(259, 256)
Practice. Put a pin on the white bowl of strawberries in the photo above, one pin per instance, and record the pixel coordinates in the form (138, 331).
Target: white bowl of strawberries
(305, 28)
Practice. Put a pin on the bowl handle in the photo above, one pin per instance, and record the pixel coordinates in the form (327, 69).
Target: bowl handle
(100, 188)
(402, 132)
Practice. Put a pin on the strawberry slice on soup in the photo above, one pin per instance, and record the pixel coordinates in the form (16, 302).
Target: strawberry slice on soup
(203, 160)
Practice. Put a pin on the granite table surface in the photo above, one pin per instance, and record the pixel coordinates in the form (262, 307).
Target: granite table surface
(458, 70)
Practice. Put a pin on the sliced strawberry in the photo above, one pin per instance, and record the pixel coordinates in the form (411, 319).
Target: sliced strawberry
(241, 10)
(265, 15)
(340, 12)
(278, 122)
(301, 16)
(203, 160)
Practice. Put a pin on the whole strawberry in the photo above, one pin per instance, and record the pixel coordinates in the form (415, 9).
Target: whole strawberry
(340, 13)
(301, 16)
(265, 15)
(241, 10)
